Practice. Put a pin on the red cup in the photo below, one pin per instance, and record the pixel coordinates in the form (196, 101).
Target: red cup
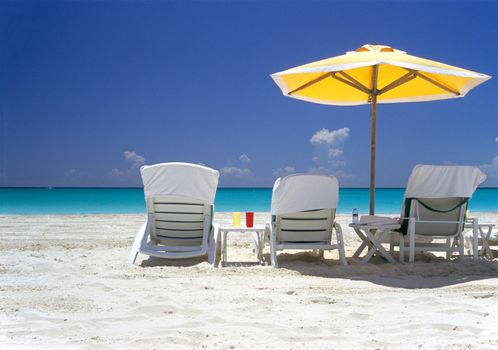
(249, 219)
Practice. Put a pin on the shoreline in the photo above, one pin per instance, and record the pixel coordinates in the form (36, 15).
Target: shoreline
(477, 214)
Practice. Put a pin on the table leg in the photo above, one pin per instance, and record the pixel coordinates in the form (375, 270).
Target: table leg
(376, 239)
(363, 245)
(372, 249)
(475, 239)
(486, 250)
(260, 246)
(256, 235)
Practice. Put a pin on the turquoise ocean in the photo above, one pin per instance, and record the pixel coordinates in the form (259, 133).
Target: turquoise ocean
(131, 200)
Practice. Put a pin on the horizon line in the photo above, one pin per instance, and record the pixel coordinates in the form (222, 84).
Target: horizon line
(141, 187)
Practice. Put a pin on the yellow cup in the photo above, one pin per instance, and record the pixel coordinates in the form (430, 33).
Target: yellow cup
(236, 219)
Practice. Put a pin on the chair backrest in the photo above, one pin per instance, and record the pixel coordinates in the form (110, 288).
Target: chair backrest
(180, 202)
(447, 215)
(304, 207)
(178, 221)
(439, 193)
(305, 226)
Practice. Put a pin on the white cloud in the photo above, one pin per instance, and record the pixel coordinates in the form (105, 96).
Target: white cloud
(340, 174)
(117, 172)
(280, 172)
(329, 154)
(74, 172)
(344, 175)
(320, 170)
(244, 159)
(328, 137)
(135, 161)
(496, 140)
(491, 169)
(337, 163)
(240, 170)
(334, 152)
(236, 171)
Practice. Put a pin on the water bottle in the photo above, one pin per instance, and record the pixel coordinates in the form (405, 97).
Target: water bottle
(355, 216)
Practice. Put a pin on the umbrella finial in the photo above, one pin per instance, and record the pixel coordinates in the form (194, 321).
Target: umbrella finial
(376, 48)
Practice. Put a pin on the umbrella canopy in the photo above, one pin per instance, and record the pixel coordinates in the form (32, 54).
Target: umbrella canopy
(376, 74)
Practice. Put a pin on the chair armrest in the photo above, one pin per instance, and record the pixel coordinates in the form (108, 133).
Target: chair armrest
(438, 222)
(215, 227)
(213, 244)
(140, 241)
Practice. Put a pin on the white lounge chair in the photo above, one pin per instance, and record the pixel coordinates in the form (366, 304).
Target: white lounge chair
(180, 203)
(434, 208)
(303, 215)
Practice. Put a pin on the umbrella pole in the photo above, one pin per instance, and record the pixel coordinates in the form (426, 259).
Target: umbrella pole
(372, 153)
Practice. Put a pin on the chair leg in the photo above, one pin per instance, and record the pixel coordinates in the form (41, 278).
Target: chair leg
(273, 250)
(461, 246)
(411, 234)
(321, 253)
(218, 246)
(475, 240)
(401, 247)
(449, 253)
(140, 240)
(214, 243)
(340, 243)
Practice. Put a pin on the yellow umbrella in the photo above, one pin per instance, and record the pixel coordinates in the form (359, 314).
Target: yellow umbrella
(376, 74)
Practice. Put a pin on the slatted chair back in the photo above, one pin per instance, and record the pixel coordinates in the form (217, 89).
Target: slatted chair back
(311, 226)
(179, 221)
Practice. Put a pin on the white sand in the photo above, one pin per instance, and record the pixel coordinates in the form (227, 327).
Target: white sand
(65, 283)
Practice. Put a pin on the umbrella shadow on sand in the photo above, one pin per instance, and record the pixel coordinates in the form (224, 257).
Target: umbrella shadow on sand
(429, 271)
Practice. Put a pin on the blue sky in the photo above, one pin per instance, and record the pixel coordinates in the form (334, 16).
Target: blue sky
(90, 91)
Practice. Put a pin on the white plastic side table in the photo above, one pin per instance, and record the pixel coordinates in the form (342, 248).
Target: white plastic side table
(372, 236)
(258, 233)
(485, 236)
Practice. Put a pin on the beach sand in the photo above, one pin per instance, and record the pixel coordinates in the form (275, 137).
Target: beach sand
(65, 283)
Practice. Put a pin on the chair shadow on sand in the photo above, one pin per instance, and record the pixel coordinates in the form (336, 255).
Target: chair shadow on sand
(152, 261)
(429, 271)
